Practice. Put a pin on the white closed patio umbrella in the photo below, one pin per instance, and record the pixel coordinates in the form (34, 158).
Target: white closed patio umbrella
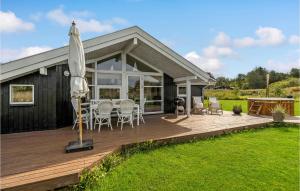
(78, 83)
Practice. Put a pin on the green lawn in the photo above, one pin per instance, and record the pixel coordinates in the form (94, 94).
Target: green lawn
(228, 104)
(264, 159)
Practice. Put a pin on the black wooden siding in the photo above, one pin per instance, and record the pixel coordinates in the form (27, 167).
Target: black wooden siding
(170, 93)
(52, 108)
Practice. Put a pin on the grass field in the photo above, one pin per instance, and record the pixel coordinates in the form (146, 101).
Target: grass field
(263, 159)
(228, 104)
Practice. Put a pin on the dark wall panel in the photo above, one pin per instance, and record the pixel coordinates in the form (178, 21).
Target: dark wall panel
(196, 90)
(51, 109)
(170, 93)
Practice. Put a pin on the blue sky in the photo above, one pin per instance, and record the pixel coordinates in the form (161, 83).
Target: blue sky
(223, 37)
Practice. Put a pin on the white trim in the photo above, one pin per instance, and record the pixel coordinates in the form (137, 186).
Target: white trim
(185, 78)
(43, 71)
(29, 64)
(124, 78)
(145, 73)
(188, 98)
(131, 46)
(20, 103)
(109, 71)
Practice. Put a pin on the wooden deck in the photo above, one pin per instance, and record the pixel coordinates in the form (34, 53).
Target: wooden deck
(36, 160)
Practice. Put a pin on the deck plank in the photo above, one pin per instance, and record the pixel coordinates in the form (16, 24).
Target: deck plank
(32, 158)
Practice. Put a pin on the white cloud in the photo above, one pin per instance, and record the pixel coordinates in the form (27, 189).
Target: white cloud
(84, 24)
(9, 23)
(222, 39)
(294, 39)
(93, 26)
(13, 54)
(59, 16)
(244, 42)
(214, 51)
(269, 36)
(212, 65)
(264, 36)
(283, 66)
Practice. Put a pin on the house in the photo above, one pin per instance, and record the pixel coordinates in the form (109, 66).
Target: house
(35, 91)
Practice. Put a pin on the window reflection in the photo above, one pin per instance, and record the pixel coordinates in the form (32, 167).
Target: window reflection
(113, 63)
(109, 79)
(135, 65)
(109, 93)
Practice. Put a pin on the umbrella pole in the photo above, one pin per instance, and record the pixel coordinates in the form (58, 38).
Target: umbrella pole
(80, 121)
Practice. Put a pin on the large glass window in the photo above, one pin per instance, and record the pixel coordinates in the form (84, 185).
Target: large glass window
(90, 78)
(135, 65)
(134, 91)
(21, 94)
(113, 63)
(109, 93)
(152, 93)
(181, 91)
(152, 81)
(152, 106)
(109, 79)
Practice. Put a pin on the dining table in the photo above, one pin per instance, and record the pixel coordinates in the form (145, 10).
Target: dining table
(93, 104)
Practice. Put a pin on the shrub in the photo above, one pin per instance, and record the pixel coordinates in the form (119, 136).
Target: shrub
(278, 109)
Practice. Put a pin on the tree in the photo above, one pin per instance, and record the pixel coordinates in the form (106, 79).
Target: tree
(257, 78)
(222, 82)
(295, 72)
(277, 76)
(241, 81)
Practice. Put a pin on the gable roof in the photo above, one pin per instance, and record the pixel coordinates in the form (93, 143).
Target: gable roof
(23, 66)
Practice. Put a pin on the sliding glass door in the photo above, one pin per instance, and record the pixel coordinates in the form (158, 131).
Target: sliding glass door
(134, 88)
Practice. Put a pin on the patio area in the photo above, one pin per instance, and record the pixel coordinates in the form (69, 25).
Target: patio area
(37, 159)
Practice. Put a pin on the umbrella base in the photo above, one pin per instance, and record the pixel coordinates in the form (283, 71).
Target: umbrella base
(75, 146)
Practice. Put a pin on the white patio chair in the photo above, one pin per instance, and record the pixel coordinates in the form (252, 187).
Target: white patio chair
(215, 106)
(125, 114)
(103, 114)
(212, 99)
(141, 112)
(85, 115)
(198, 105)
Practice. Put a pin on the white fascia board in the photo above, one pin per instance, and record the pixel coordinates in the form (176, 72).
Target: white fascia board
(16, 68)
(185, 78)
(31, 68)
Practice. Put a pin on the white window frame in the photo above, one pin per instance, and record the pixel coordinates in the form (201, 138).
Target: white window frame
(20, 103)
(124, 86)
(181, 86)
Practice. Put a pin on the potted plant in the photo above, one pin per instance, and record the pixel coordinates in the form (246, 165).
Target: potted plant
(237, 109)
(278, 113)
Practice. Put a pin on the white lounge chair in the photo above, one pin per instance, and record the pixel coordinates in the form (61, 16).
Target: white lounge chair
(103, 114)
(198, 105)
(215, 106)
(125, 113)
